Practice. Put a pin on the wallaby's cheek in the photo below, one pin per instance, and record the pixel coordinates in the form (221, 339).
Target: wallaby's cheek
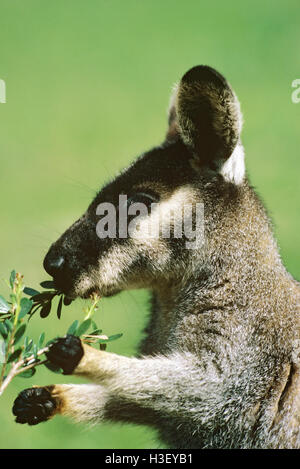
(133, 264)
(147, 253)
(109, 274)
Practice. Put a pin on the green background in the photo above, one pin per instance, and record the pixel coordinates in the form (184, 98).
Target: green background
(88, 85)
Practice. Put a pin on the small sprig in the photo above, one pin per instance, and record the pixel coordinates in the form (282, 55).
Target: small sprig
(94, 337)
(43, 300)
(20, 355)
(12, 327)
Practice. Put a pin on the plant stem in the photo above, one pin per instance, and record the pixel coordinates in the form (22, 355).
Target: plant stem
(19, 367)
(15, 311)
(95, 300)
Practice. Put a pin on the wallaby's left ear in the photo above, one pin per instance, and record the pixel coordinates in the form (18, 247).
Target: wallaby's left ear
(206, 114)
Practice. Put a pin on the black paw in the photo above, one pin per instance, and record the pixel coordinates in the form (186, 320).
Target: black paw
(34, 405)
(66, 352)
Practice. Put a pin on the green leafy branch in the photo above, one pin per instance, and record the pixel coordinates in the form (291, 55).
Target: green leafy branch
(19, 354)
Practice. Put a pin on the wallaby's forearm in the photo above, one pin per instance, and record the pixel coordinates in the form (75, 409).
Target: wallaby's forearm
(82, 402)
(141, 390)
(161, 383)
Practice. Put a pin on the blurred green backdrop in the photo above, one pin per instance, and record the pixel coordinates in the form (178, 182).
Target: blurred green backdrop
(88, 85)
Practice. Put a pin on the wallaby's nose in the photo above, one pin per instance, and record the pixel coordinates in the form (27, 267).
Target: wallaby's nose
(54, 263)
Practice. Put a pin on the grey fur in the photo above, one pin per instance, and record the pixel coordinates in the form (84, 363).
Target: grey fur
(218, 367)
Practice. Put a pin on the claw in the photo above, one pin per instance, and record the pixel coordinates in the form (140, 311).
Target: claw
(66, 352)
(34, 405)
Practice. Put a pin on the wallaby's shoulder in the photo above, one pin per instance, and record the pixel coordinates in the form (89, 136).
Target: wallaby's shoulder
(238, 288)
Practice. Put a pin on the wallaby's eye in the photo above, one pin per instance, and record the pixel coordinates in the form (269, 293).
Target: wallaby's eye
(138, 203)
(142, 198)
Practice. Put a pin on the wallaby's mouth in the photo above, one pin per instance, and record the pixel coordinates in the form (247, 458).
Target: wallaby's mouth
(90, 292)
(66, 280)
(74, 291)
(101, 293)
(82, 286)
(67, 290)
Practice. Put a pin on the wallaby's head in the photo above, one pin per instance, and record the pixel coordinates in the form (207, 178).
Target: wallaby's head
(199, 165)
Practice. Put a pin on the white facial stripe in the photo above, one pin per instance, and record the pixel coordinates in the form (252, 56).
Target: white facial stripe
(111, 267)
(118, 259)
(113, 264)
(148, 227)
(233, 170)
(84, 284)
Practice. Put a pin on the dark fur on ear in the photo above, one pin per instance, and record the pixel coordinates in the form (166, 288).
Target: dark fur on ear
(206, 113)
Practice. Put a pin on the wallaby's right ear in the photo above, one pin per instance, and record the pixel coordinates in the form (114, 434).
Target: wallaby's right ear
(205, 113)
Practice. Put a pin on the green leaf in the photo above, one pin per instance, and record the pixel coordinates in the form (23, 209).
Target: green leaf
(26, 306)
(19, 334)
(109, 339)
(9, 325)
(28, 346)
(48, 284)
(94, 325)
(3, 331)
(114, 337)
(34, 309)
(27, 373)
(35, 351)
(46, 295)
(13, 298)
(53, 368)
(41, 340)
(14, 356)
(84, 326)
(59, 307)
(96, 332)
(12, 278)
(30, 291)
(45, 311)
(50, 342)
(72, 329)
(4, 307)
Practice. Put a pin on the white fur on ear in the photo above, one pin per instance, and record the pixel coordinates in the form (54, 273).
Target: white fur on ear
(233, 170)
(173, 97)
(239, 112)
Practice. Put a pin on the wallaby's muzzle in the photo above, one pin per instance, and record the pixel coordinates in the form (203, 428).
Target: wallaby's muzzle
(56, 264)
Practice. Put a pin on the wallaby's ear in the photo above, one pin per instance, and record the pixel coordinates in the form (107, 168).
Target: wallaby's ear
(205, 112)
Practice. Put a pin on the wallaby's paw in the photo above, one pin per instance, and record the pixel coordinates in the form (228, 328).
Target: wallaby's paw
(34, 405)
(66, 352)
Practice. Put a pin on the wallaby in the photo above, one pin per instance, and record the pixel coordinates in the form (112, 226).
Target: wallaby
(219, 364)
